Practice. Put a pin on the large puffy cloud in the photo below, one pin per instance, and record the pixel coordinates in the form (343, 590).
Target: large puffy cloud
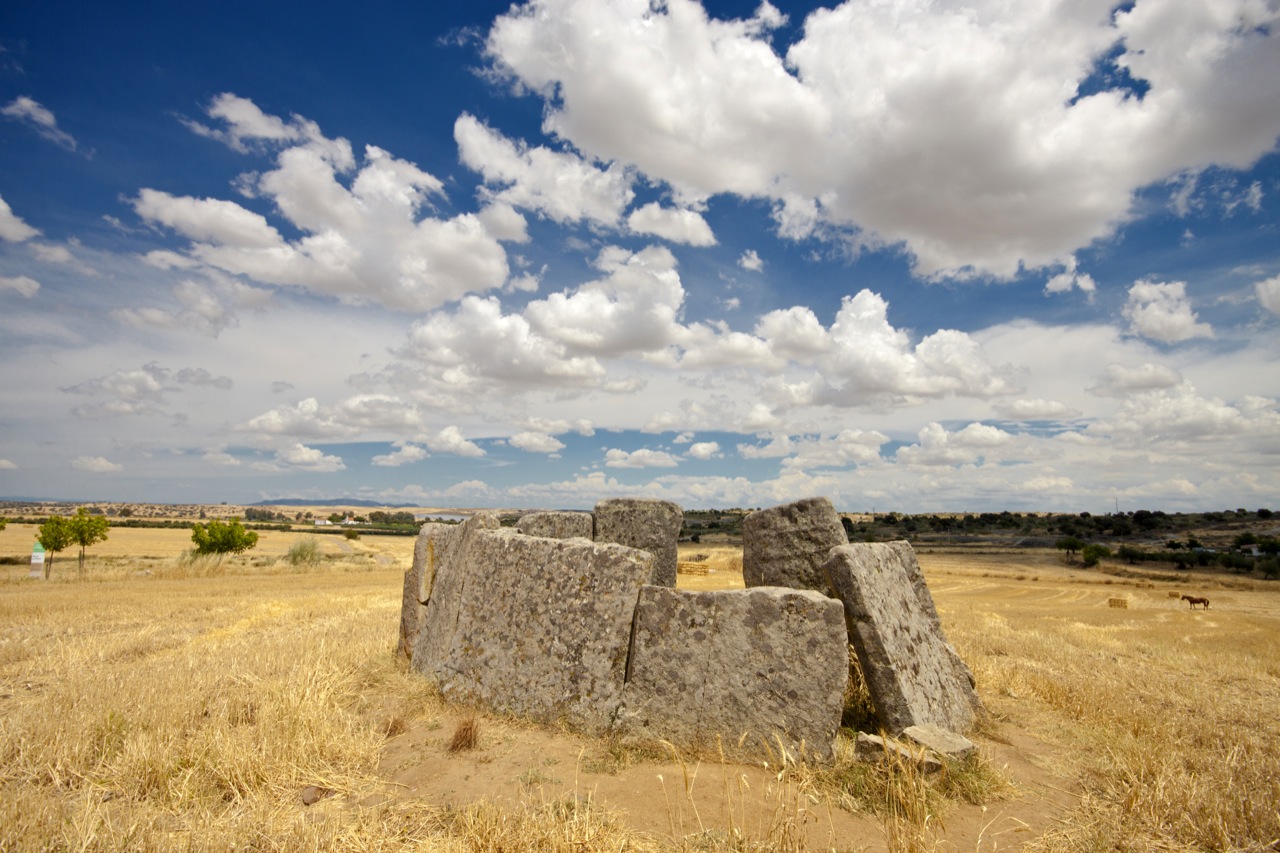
(563, 187)
(634, 308)
(677, 225)
(478, 348)
(1180, 414)
(863, 358)
(939, 447)
(981, 137)
(1161, 311)
(365, 240)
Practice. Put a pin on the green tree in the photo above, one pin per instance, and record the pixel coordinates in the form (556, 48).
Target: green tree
(54, 535)
(3, 522)
(1245, 539)
(1091, 554)
(87, 528)
(1070, 544)
(219, 537)
(1131, 555)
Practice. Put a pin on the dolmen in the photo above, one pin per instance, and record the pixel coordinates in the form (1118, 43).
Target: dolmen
(573, 618)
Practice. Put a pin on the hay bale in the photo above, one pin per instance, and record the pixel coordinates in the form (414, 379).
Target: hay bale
(1122, 603)
(1173, 593)
(688, 567)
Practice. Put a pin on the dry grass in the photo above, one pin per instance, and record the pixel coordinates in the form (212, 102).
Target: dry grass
(191, 707)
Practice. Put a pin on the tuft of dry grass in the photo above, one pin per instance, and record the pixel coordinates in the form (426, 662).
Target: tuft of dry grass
(466, 735)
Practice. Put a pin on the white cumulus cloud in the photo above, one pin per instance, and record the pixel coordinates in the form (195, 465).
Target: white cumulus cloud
(1162, 312)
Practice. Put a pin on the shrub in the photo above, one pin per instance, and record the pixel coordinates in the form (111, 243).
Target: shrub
(1091, 554)
(304, 552)
(218, 537)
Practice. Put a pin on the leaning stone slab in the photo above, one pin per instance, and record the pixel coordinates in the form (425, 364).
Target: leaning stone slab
(647, 524)
(768, 663)
(913, 674)
(941, 741)
(557, 525)
(874, 749)
(543, 627)
(418, 580)
(786, 545)
(442, 583)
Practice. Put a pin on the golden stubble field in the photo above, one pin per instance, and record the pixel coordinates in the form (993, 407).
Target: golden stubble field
(159, 703)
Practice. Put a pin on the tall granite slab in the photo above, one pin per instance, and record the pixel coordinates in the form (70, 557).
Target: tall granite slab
(418, 579)
(913, 674)
(786, 545)
(648, 524)
(769, 663)
(442, 584)
(557, 525)
(543, 627)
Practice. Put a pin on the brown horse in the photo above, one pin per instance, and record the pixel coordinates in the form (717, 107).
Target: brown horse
(1193, 600)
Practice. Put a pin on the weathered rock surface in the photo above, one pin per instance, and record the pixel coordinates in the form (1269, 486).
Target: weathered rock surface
(913, 674)
(442, 585)
(542, 626)
(418, 581)
(786, 545)
(557, 525)
(766, 662)
(940, 740)
(875, 749)
(647, 524)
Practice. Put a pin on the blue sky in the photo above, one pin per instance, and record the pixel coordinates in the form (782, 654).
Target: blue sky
(914, 256)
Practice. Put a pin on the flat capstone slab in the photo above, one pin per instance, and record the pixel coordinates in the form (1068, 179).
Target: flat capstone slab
(786, 545)
(913, 674)
(645, 523)
(543, 627)
(746, 670)
(557, 525)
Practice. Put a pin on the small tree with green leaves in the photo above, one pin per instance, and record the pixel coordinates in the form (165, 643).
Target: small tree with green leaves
(3, 522)
(87, 529)
(1091, 554)
(219, 537)
(1070, 544)
(54, 536)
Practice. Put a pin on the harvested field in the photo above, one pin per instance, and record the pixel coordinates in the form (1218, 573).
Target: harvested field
(257, 704)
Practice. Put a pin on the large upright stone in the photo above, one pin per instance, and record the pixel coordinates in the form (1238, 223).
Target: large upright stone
(644, 523)
(418, 579)
(442, 583)
(786, 545)
(769, 663)
(913, 674)
(557, 525)
(542, 627)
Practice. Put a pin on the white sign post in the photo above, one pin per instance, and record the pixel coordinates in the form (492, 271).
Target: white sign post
(37, 562)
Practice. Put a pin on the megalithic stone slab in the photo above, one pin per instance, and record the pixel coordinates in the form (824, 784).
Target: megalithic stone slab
(557, 525)
(543, 627)
(786, 545)
(913, 674)
(442, 585)
(418, 580)
(769, 663)
(644, 523)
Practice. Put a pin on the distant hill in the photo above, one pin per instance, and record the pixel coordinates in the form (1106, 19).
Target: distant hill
(330, 502)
